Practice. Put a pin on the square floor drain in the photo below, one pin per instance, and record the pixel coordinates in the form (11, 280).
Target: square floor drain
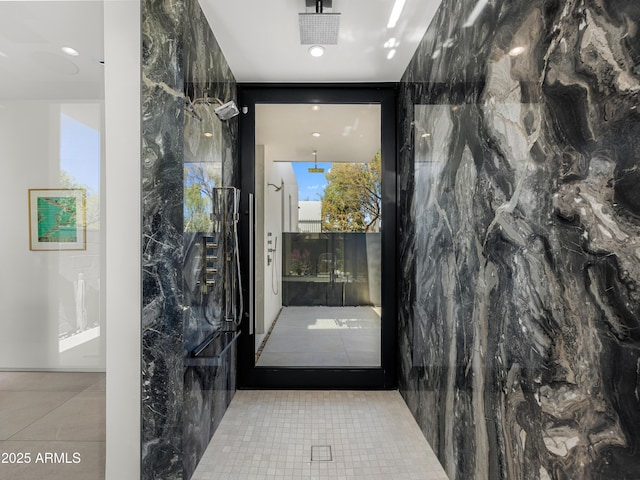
(321, 453)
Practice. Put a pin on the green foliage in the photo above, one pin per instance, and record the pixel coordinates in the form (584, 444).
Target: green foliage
(67, 180)
(199, 189)
(197, 216)
(352, 200)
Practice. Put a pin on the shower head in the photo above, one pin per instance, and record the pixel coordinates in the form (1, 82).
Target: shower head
(227, 110)
(319, 28)
(223, 112)
(277, 188)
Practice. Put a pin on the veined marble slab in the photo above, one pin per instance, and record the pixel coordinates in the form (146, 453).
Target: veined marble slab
(182, 405)
(520, 239)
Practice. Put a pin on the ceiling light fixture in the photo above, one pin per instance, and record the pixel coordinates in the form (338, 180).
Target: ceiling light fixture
(515, 51)
(315, 134)
(396, 11)
(391, 54)
(316, 51)
(70, 51)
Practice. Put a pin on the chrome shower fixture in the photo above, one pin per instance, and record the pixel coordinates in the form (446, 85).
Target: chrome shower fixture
(224, 111)
(276, 187)
(319, 28)
(227, 110)
(191, 109)
(315, 169)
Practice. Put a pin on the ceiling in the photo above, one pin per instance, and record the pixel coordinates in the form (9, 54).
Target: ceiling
(32, 65)
(345, 133)
(261, 40)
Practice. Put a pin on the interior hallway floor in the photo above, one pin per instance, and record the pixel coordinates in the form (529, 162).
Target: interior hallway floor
(60, 414)
(296, 435)
(324, 337)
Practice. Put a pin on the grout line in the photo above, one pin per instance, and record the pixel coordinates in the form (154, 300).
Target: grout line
(45, 414)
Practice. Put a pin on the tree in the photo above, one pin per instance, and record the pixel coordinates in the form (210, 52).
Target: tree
(92, 199)
(352, 201)
(201, 180)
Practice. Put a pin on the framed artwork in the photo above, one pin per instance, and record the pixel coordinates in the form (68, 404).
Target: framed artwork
(57, 219)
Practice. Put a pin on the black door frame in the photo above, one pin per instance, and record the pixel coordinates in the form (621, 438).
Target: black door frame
(385, 376)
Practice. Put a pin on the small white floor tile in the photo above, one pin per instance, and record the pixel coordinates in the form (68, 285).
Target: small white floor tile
(270, 434)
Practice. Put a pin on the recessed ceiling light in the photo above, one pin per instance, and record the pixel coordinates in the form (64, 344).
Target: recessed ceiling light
(315, 108)
(315, 134)
(391, 54)
(208, 134)
(515, 51)
(70, 51)
(316, 51)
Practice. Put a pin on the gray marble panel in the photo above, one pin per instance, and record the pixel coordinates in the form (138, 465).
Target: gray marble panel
(182, 403)
(162, 339)
(520, 239)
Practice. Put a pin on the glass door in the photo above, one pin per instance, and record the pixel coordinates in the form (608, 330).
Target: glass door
(318, 177)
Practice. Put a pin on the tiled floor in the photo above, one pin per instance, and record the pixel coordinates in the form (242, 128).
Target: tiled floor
(272, 435)
(58, 420)
(324, 337)
(54, 423)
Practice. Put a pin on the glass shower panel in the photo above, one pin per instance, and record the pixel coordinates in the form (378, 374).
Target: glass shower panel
(318, 241)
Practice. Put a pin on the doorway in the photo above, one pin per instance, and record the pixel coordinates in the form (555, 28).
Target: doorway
(319, 275)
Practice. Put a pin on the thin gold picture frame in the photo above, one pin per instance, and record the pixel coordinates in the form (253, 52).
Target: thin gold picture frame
(57, 219)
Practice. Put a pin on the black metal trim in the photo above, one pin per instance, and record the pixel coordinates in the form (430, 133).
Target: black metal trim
(386, 376)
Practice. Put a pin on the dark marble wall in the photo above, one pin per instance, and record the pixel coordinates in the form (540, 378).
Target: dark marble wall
(520, 239)
(183, 401)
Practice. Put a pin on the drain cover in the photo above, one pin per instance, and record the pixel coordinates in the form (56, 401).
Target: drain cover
(321, 453)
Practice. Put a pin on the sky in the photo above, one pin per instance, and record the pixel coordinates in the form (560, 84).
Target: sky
(310, 185)
(80, 152)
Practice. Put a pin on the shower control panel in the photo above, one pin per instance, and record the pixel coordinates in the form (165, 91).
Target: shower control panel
(210, 260)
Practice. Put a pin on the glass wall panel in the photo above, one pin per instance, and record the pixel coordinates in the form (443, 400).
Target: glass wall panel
(52, 331)
(318, 248)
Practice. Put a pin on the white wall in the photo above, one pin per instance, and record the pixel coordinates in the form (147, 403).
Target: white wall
(273, 216)
(38, 288)
(123, 305)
